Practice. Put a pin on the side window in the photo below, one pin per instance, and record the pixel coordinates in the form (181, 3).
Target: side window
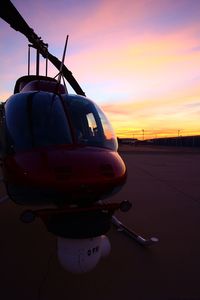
(90, 125)
(110, 140)
(93, 129)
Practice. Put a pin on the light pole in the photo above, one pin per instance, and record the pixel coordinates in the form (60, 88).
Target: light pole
(178, 142)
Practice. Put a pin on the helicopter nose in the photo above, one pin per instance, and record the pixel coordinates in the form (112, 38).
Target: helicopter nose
(87, 173)
(72, 175)
(107, 170)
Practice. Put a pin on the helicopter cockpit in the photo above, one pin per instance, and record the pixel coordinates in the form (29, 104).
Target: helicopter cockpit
(50, 142)
(55, 120)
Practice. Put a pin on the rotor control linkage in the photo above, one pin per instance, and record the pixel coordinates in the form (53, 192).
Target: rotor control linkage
(138, 238)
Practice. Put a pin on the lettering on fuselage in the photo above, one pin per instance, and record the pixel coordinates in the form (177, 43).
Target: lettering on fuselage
(93, 250)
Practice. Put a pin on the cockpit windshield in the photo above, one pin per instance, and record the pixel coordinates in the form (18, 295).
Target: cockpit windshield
(40, 119)
(36, 119)
(91, 126)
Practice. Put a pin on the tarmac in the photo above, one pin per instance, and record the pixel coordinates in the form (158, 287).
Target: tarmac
(164, 187)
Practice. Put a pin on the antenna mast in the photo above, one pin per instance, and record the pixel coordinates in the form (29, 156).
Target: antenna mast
(63, 59)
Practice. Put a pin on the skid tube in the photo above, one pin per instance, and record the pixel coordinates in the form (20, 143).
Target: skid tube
(135, 236)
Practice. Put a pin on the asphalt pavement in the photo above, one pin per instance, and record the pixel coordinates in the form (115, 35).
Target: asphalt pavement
(164, 188)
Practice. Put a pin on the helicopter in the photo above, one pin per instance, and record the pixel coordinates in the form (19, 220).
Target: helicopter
(59, 149)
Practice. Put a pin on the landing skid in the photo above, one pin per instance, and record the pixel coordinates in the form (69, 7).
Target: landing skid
(138, 238)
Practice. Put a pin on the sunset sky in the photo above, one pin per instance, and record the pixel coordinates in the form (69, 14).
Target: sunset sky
(139, 60)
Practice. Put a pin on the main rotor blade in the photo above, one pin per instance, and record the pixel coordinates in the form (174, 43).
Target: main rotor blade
(10, 14)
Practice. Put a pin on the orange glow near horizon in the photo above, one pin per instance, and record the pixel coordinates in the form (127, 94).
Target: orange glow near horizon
(154, 134)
